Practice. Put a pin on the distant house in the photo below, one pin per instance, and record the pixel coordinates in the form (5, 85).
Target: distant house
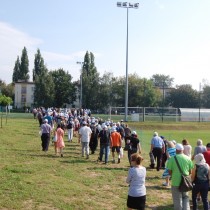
(24, 94)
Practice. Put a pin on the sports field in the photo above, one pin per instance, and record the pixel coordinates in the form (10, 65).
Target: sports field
(31, 179)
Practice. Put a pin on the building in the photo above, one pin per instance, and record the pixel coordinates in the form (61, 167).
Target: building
(24, 94)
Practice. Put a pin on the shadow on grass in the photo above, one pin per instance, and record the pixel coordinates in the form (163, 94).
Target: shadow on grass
(107, 168)
(167, 207)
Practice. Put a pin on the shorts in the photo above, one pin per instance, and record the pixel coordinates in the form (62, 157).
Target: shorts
(136, 202)
(116, 148)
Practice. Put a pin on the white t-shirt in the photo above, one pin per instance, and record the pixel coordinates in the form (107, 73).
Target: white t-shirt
(187, 150)
(85, 132)
(136, 180)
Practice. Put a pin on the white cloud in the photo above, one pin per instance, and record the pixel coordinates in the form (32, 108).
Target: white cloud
(12, 41)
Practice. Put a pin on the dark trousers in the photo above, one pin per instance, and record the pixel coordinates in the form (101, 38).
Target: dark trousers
(203, 189)
(130, 152)
(45, 141)
(157, 152)
(93, 144)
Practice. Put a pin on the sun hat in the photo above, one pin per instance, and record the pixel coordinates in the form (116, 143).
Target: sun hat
(199, 159)
(84, 123)
(46, 120)
(179, 147)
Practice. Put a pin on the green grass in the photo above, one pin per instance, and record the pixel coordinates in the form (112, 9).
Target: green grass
(33, 180)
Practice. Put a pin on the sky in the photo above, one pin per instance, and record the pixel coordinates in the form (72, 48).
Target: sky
(164, 37)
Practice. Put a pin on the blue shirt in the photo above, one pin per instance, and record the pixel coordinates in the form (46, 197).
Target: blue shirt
(157, 142)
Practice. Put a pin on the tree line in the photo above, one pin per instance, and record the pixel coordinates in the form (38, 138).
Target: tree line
(56, 88)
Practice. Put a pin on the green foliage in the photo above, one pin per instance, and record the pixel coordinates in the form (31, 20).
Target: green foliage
(183, 97)
(90, 83)
(39, 66)
(64, 90)
(16, 71)
(4, 100)
(44, 90)
(24, 66)
(161, 80)
(8, 90)
(205, 97)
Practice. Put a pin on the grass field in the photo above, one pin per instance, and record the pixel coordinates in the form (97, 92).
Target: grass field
(31, 179)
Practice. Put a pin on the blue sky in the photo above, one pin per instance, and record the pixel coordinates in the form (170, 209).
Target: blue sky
(165, 37)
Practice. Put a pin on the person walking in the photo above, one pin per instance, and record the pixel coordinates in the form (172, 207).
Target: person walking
(157, 148)
(104, 136)
(206, 154)
(94, 138)
(70, 127)
(200, 179)
(45, 137)
(84, 138)
(180, 199)
(134, 145)
(187, 148)
(136, 179)
(170, 152)
(60, 142)
(200, 148)
(115, 144)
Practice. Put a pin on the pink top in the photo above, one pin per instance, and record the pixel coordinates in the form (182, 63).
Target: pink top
(60, 135)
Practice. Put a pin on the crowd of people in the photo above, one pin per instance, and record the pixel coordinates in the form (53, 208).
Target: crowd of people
(195, 163)
(112, 137)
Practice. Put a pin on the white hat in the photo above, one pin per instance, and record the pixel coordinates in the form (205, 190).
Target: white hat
(174, 142)
(134, 133)
(46, 120)
(113, 129)
(179, 147)
(155, 133)
(199, 159)
(199, 142)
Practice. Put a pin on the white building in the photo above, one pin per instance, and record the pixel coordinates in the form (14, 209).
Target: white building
(24, 94)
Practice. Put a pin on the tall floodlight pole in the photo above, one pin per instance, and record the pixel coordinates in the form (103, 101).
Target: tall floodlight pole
(81, 63)
(127, 5)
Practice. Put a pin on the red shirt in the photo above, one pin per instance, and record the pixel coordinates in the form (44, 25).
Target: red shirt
(207, 156)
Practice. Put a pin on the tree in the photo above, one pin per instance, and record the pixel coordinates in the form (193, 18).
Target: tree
(16, 71)
(39, 65)
(161, 80)
(65, 91)
(183, 97)
(105, 91)
(24, 66)
(4, 100)
(90, 81)
(205, 99)
(8, 90)
(141, 92)
(44, 90)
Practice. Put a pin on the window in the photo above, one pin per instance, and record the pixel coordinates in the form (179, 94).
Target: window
(23, 90)
(23, 99)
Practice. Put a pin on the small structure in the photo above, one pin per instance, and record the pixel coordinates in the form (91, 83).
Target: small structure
(194, 115)
(24, 94)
